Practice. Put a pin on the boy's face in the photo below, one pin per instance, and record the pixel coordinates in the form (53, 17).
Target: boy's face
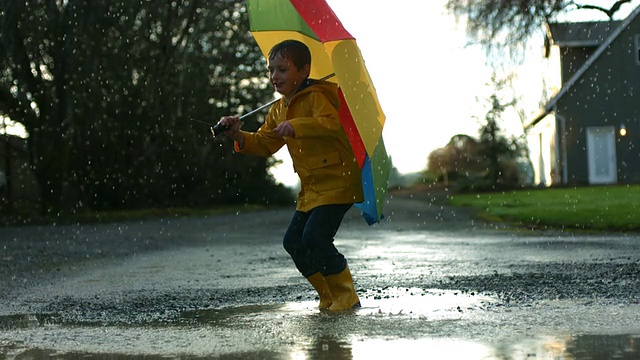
(285, 77)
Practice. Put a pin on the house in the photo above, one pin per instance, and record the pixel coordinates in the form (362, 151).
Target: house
(589, 132)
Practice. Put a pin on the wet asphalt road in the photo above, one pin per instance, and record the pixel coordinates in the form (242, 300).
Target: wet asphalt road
(434, 283)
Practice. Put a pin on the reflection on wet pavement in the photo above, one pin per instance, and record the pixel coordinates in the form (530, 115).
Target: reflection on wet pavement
(624, 347)
(407, 322)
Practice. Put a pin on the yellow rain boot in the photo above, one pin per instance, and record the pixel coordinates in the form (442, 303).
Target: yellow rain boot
(319, 283)
(342, 290)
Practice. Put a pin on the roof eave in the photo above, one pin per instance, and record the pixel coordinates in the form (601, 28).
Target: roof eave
(596, 54)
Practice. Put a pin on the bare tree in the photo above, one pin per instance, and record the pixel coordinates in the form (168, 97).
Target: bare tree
(508, 24)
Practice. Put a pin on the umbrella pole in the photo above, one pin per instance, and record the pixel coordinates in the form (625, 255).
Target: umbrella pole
(258, 109)
(274, 100)
(219, 128)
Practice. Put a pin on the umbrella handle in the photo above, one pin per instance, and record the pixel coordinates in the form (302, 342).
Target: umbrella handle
(217, 128)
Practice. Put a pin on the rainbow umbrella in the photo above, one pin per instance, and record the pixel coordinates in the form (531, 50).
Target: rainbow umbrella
(333, 51)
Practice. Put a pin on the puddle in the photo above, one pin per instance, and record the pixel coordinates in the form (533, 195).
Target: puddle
(409, 323)
(429, 304)
(625, 347)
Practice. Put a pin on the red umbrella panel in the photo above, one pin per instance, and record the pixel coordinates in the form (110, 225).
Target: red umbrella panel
(333, 51)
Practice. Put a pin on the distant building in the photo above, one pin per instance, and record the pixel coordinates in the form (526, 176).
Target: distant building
(589, 132)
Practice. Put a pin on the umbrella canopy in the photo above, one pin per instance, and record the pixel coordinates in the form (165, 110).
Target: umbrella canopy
(333, 51)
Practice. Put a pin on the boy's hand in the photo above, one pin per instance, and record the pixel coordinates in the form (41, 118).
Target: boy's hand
(232, 123)
(285, 129)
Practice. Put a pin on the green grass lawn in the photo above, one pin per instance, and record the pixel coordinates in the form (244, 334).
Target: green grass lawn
(613, 208)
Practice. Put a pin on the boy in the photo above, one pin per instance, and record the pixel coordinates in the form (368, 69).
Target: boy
(306, 120)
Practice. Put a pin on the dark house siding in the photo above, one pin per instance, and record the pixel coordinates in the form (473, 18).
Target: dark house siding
(606, 94)
(572, 60)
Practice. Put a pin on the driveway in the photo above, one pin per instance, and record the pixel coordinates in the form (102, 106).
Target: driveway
(434, 282)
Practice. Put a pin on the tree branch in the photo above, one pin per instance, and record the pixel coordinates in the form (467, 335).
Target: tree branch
(609, 12)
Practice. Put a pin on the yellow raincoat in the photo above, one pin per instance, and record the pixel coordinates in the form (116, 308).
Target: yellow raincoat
(320, 151)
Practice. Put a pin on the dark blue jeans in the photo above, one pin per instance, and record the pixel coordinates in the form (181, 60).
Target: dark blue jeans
(309, 240)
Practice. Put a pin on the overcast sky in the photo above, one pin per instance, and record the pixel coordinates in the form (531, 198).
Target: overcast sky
(427, 80)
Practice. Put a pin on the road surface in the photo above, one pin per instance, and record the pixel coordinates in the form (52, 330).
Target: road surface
(434, 283)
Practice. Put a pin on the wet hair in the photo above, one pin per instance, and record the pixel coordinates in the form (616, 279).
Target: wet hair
(293, 50)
